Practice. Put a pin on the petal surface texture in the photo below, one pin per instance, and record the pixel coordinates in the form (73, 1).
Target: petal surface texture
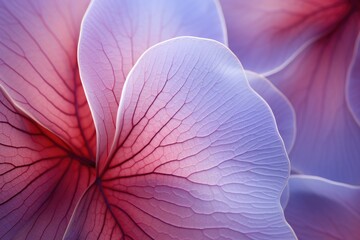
(196, 156)
(322, 209)
(328, 137)
(280, 106)
(264, 34)
(114, 35)
(41, 181)
(38, 67)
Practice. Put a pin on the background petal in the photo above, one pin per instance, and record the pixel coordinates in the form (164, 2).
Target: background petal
(353, 84)
(328, 138)
(38, 66)
(41, 180)
(280, 106)
(114, 35)
(322, 209)
(197, 153)
(285, 197)
(265, 34)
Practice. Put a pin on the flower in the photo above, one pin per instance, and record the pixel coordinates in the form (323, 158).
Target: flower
(145, 140)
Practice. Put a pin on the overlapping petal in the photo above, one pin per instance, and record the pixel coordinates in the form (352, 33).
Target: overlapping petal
(266, 34)
(353, 84)
(114, 35)
(41, 180)
(284, 200)
(280, 106)
(322, 209)
(196, 155)
(38, 66)
(328, 137)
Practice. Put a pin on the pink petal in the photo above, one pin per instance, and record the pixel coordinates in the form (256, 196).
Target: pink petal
(41, 180)
(328, 138)
(197, 154)
(353, 84)
(116, 33)
(38, 67)
(323, 210)
(279, 104)
(264, 34)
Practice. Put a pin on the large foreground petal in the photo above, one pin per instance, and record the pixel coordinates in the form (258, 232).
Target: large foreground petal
(114, 35)
(322, 209)
(280, 106)
(197, 154)
(265, 34)
(328, 138)
(38, 66)
(40, 179)
(283, 112)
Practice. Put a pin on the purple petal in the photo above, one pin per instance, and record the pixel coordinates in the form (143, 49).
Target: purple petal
(285, 197)
(279, 104)
(264, 34)
(328, 139)
(41, 180)
(38, 67)
(283, 112)
(116, 33)
(322, 209)
(353, 84)
(197, 154)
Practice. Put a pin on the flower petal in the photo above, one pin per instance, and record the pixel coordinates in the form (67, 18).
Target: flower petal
(353, 84)
(38, 66)
(114, 35)
(279, 104)
(197, 153)
(264, 34)
(40, 179)
(328, 138)
(285, 197)
(322, 209)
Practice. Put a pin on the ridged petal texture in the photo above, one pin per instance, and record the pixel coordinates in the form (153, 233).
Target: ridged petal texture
(47, 136)
(197, 154)
(280, 106)
(114, 35)
(41, 180)
(38, 67)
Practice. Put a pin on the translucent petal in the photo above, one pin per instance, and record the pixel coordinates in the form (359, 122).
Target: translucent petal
(284, 200)
(265, 34)
(41, 180)
(38, 67)
(328, 138)
(197, 154)
(280, 106)
(353, 84)
(114, 35)
(322, 209)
